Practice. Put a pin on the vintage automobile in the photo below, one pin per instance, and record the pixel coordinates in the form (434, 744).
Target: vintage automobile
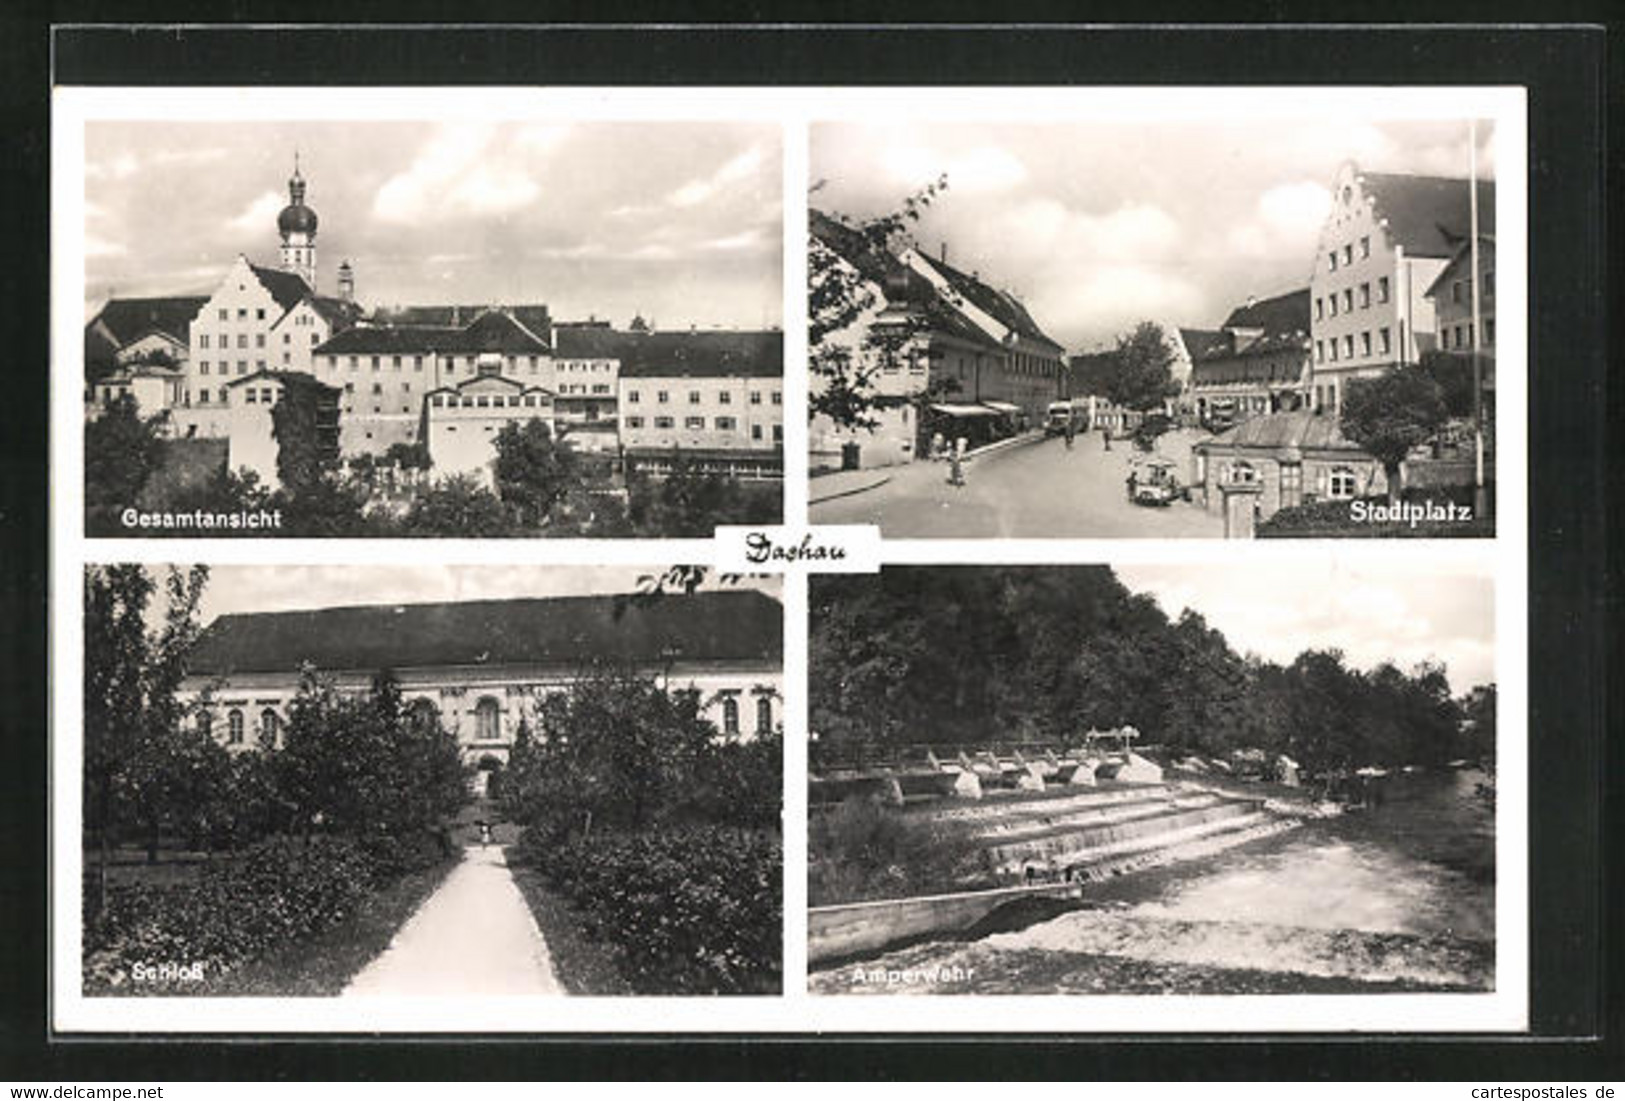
(1152, 481)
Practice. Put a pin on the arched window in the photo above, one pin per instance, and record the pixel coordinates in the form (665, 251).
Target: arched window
(422, 715)
(269, 723)
(730, 715)
(1341, 484)
(488, 720)
(234, 727)
(764, 715)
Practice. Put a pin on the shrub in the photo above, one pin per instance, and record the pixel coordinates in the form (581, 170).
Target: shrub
(277, 891)
(687, 911)
(1333, 519)
(861, 850)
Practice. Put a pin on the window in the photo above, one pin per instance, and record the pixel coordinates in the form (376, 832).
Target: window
(1340, 484)
(778, 399)
(259, 365)
(315, 339)
(234, 727)
(1365, 343)
(1331, 260)
(259, 314)
(726, 397)
(203, 368)
(634, 422)
(203, 396)
(663, 397)
(1385, 340)
(1365, 296)
(730, 715)
(664, 422)
(395, 362)
(1382, 289)
(778, 433)
(287, 338)
(693, 422)
(1320, 351)
(1320, 309)
(1331, 304)
(1348, 300)
(1331, 348)
(1489, 331)
(242, 340)
(1455, 290)
(259, 340)
(756, 397)
(353, 363)
(1243, 472)
(725, 424)
(377, 388)
(376, 362)
(1348, 346)
(756, 431)
(1348, 255)
(203, 341)
(252, 396)
(1489, 284)
(1365, 248)
(632, 397)
(533, 365)
(242, 312)
(286, 358)
(764, 715)
(417, 363)
(694, 397)
(225, 315)
(269, 722)
(487, 720)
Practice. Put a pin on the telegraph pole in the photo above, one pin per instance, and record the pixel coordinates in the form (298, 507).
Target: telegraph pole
(1479, 496)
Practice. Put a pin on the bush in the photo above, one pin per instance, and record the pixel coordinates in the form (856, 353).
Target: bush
(278, 891)
(1333, 519)
(861, 850)
(687, 911)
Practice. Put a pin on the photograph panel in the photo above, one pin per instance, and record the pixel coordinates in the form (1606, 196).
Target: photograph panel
(1100, 327)
(1152, 779)
(442, 327)
(429, 782)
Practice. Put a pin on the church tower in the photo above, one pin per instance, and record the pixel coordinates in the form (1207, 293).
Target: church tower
(297, 227)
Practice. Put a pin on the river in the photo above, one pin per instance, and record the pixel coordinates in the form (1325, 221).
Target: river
(1399, 896)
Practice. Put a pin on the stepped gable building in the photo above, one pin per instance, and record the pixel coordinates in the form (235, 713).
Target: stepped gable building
(1384, 243)
(1257, 362)
(714, 399)
(483, 666)
(974, 339)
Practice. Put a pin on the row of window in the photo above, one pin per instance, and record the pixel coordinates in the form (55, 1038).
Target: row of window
(225, 367)
(483, 401)
(270, 724)
(1346, 254)
(242, 312)
(1328, 306)
(724, 397)
(1460, 337)
(1341, 482)
(1331, 349)
(1461, 289)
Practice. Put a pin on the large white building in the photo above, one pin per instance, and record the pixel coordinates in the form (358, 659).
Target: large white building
(483, 667)
(1384, 243)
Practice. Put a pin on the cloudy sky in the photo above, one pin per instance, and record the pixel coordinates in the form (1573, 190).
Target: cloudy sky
(1098, 226)
(679, 221)
(1372, 612)
(291, 588)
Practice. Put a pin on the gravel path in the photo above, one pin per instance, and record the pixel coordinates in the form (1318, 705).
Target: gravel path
(474, 936)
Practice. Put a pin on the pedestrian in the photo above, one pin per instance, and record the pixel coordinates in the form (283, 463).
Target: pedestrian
(485, 833)
(1071, 432)
(956, 463)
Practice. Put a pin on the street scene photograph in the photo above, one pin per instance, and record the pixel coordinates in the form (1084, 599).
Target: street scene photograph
(1152, 779)
(431, 328)
(1223, 328)
(430, 781)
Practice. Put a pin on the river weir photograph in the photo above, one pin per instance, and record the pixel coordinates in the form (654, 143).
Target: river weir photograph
(1152, 779)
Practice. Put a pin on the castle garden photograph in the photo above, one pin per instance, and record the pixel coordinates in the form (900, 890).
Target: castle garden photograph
(1219, 328)
(1152, 779)
(456, 328)
(430, 781)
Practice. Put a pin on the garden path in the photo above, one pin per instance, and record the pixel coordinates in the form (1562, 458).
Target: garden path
(473, 936)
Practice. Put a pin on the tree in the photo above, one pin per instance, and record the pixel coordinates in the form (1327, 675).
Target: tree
(533, 470)
(458, 506)
(1390, 415)
(307, 451)
(1139, 374)
(1478, 725)
(840, 299)
(121, 452)
(1453, 373)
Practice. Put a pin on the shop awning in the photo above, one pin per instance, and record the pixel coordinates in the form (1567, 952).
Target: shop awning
(1002, 406)
(953, 410)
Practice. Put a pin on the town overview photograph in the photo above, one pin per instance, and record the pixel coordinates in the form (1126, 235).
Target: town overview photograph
(1153, 329)
(469, 329)
(1164, 780)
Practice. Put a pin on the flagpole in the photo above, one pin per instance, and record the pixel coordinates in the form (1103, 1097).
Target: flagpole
(1477, 323)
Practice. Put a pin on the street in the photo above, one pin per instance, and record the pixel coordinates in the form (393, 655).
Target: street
(1028, 491)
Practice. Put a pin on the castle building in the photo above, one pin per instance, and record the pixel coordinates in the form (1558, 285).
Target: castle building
(483, 667)
(1385, 241)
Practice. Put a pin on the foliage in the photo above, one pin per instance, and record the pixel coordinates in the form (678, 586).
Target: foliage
(1334, 519)
(1452, 372)
(533, 470)
(838, 299)
(307, 452)
(1147, 432)
(1392, 414)
(688, 504)
(277, 891)
(407, 456)
(121, 452)
(952, 656)
(458, 506)
(861, 850)
(1139, 374)
(694, 910)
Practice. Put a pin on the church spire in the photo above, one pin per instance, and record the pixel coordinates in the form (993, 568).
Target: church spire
(297, 227)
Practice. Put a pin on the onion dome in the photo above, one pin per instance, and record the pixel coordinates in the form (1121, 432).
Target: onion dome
(296, 217)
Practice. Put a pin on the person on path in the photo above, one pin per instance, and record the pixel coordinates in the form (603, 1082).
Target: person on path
(956, 463)
(1071, 432)
(485, 833)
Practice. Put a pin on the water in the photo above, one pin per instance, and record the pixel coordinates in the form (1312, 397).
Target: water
(1400, 897)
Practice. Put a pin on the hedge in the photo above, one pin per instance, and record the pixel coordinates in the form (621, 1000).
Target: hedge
(239, 908)
(694, 910)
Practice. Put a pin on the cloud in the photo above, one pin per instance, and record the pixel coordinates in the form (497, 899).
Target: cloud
(737, 168)
(463, 169)
(980, 169)
(99, 246)
(1295, 210)
(258, 216)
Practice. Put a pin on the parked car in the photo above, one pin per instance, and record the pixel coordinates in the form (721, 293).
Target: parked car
(1152, 481)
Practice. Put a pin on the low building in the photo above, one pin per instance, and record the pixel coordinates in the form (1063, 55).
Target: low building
(1296, 458)
(713, 400)
(144, 330)
(1257, 362)
(154, 388)
(461, 422)
(483, 667)
(250, 440)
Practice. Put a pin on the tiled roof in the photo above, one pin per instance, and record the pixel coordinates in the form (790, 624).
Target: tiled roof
(128, 319)
(1001, 305)
(533, 317)
(1247, 366)
(1203, 344)
(293, 380)
(1284, 313)
(1429, 215)
(1302, 429)
(489, 332)
(337, 312)
(569, 631)
(593, 342)
(706, 354)
(1486, 251)
(287, 288)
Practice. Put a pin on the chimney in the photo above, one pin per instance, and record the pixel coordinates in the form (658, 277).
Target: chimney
(346, 282)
